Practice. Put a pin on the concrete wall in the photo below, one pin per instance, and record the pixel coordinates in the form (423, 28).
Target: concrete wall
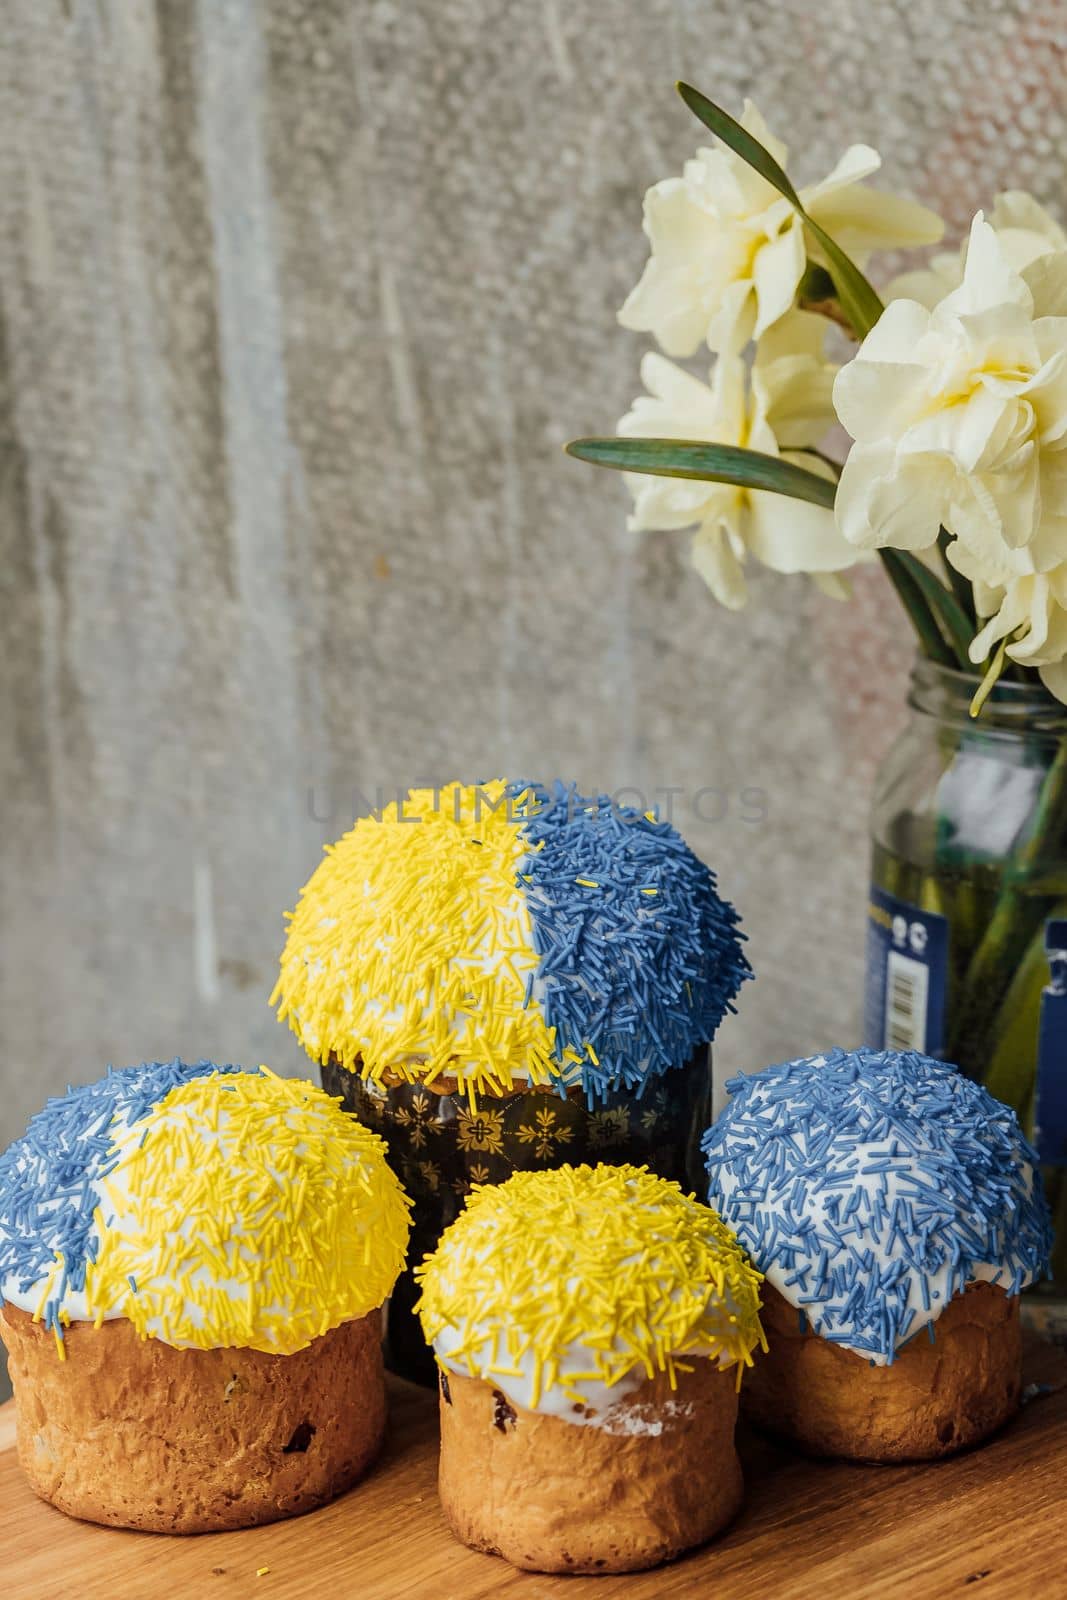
(299, 301)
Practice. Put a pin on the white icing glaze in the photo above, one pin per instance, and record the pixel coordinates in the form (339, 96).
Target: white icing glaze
(512, 920)
(602, 1405)
(73, 1305)
(110, 1195)
(939, 1282)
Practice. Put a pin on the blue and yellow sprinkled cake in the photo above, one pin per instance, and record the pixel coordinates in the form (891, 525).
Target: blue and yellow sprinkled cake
(505, 933)
(895, 1210)
(192, 1262)
(591, 1325)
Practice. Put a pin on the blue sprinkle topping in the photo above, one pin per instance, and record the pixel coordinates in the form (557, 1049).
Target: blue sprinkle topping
(877, 1183)
(643, 977)
(47, 1198)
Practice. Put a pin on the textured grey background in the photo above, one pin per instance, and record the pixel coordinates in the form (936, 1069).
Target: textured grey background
(299, 301)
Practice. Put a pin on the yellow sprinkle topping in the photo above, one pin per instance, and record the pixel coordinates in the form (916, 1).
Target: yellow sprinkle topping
(247, 1210)
(611, 1260)
(411, 946)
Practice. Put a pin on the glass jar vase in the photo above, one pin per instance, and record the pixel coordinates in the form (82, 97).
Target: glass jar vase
(967, 930)
(438, 1146)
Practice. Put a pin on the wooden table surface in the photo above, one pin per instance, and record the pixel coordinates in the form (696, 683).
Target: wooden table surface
(990, 1523)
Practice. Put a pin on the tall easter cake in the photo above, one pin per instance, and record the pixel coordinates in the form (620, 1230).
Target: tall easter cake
(503, 977)
(503, 933)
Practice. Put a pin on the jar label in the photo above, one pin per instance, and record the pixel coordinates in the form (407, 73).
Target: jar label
(1050, 1096)
(907, 976)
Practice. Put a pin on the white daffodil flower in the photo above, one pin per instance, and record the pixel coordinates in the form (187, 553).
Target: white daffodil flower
(1025, 230)
(784, 409)
(1021, 605)
(960, 416)
(728, 251)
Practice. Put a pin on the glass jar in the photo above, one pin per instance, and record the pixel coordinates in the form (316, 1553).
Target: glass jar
(439, 1146)
(967, 930)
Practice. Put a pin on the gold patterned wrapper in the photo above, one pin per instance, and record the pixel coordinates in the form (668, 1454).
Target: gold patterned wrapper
(440, 1146)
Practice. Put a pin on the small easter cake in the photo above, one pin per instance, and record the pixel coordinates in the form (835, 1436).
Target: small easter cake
(502, 933)
(591, 1325)
(192, 1262)
(895, 1210)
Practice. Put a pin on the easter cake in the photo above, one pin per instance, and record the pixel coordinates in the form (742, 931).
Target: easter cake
(896, 1212)
(591, 1325)
(192, 1262)
(501, 933)
(504, 977)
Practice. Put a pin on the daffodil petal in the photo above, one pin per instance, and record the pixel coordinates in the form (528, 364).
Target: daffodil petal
(720, 569)
(885, 502)
(795, 395)
(861, 220)
(792, 536)
(776, 275)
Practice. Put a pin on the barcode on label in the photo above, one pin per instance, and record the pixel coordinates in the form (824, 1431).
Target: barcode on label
(905, 1003)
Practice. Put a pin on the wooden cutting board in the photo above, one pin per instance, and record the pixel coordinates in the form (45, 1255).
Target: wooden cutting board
(991, 1523)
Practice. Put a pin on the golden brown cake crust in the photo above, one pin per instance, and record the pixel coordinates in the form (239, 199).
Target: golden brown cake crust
(934, 1399)
(553, 1496)
(138, 1434)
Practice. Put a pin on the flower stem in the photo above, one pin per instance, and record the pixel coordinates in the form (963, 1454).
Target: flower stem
(914, 603)
(1012, 1040)
(1018, 916)
(985, 688)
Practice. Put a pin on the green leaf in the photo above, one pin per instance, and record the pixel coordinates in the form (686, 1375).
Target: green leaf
(815, 285)
(961, 586)
(943, 630)
(714, 463)
(859, 301)
(912, 599)
(945, 608)
(730, 131)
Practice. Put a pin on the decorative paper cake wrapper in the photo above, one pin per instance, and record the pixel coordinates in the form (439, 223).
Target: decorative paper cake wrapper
(438, 1147)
